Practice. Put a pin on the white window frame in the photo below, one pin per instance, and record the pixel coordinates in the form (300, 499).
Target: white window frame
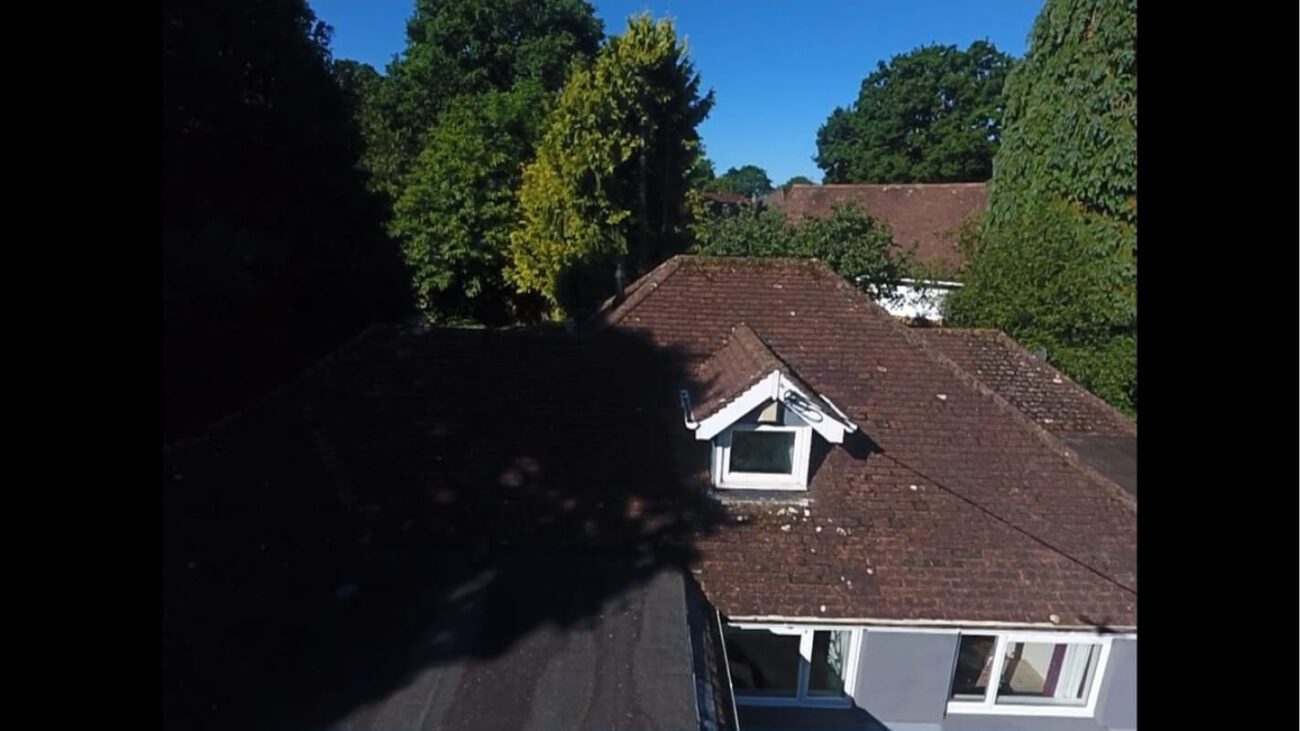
(990, 706)
(797, 479)
(801, 698)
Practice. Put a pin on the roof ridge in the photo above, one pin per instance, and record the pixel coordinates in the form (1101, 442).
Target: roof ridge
(612, 311)
(1023, 352)
(1115, 491)
(312, 369)
(970, 184)
(971, 381)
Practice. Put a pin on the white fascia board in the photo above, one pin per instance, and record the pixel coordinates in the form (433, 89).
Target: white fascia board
(753, 397)
(935, 625)
(776, 387)
(830, 426)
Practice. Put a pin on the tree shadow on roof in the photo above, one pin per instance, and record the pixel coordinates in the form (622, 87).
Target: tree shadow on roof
(428, 500)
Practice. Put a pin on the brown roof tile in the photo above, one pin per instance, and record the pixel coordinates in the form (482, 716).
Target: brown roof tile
(1048, 396)
(955, 507)
(921, 215)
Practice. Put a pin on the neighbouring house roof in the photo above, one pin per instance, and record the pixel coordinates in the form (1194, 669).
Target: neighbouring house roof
(1102, 436)
(952, 506)
(920, 215)
(731, 199)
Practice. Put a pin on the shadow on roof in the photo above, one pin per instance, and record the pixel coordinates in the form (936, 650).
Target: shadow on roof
(470, 500)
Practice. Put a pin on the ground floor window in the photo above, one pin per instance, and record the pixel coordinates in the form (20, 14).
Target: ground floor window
(1027, 673)
(791, 664)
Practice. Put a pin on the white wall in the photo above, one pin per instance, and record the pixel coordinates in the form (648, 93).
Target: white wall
(917, 301)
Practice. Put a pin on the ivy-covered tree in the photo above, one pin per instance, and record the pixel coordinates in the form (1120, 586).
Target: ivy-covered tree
(459, 203)
(749, 180)
(1057, 263)
(932, 115)
(851, 242)
(608, 187)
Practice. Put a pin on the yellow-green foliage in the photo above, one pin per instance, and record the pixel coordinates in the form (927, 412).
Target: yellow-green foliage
(615, 155)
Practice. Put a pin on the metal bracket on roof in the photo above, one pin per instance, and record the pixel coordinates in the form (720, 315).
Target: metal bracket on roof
(687, 417)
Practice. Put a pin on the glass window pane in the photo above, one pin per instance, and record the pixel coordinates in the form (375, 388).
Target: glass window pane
(974, 665)
(1047, 673)
(830, 656)
(762, 663)
(768, 452)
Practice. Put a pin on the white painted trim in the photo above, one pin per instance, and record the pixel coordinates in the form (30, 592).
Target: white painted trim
(936, 283)
(990, 706)
(776, 387)
(946, 625)
(797, 479)
(802, 699)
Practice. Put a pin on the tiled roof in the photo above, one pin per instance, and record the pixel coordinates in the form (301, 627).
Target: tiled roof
(920, 215)
(1049, 397)
(305, 538)
(953, 506)
(1103, 437)
(741, 362)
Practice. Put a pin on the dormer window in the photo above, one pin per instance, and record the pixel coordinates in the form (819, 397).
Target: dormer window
(763, 456)
(760, 417)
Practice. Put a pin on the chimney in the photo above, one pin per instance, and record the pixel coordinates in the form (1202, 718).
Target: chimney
(620, 281)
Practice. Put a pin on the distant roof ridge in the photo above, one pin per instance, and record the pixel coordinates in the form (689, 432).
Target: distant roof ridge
(611, 312)
(881, 185)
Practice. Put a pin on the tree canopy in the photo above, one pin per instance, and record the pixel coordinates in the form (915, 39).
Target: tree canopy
(449, 130)
(1057, 263)
(932, 115)
(458, 204)
(748, 180)
(273, 250)
(609, 183)
(797, 180)
(851, 242)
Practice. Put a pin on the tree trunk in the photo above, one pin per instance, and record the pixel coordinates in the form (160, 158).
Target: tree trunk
(643, 263)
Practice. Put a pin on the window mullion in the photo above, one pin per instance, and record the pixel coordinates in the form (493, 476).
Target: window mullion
(805, 663)
(995, 674)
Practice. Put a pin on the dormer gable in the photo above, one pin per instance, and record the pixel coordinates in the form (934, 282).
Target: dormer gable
(760, 416)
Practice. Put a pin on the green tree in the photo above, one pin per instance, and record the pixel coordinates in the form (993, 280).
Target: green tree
(608, 187)
(449, 130)
(797, 180)
(749, 180)
(383, 157)
(273, 250)
(851, 242)
(932, 115)
(458, 205)
(702, 172)
(1057, 263)
(459, 47)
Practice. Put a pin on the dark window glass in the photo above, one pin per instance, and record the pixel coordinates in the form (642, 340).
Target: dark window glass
(830, 659)
(767, 452)
(974, 663)
(762, 663)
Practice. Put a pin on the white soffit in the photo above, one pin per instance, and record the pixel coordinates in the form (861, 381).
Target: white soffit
(776, 387)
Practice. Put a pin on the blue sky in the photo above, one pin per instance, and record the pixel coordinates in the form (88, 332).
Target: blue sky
(777, 69)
